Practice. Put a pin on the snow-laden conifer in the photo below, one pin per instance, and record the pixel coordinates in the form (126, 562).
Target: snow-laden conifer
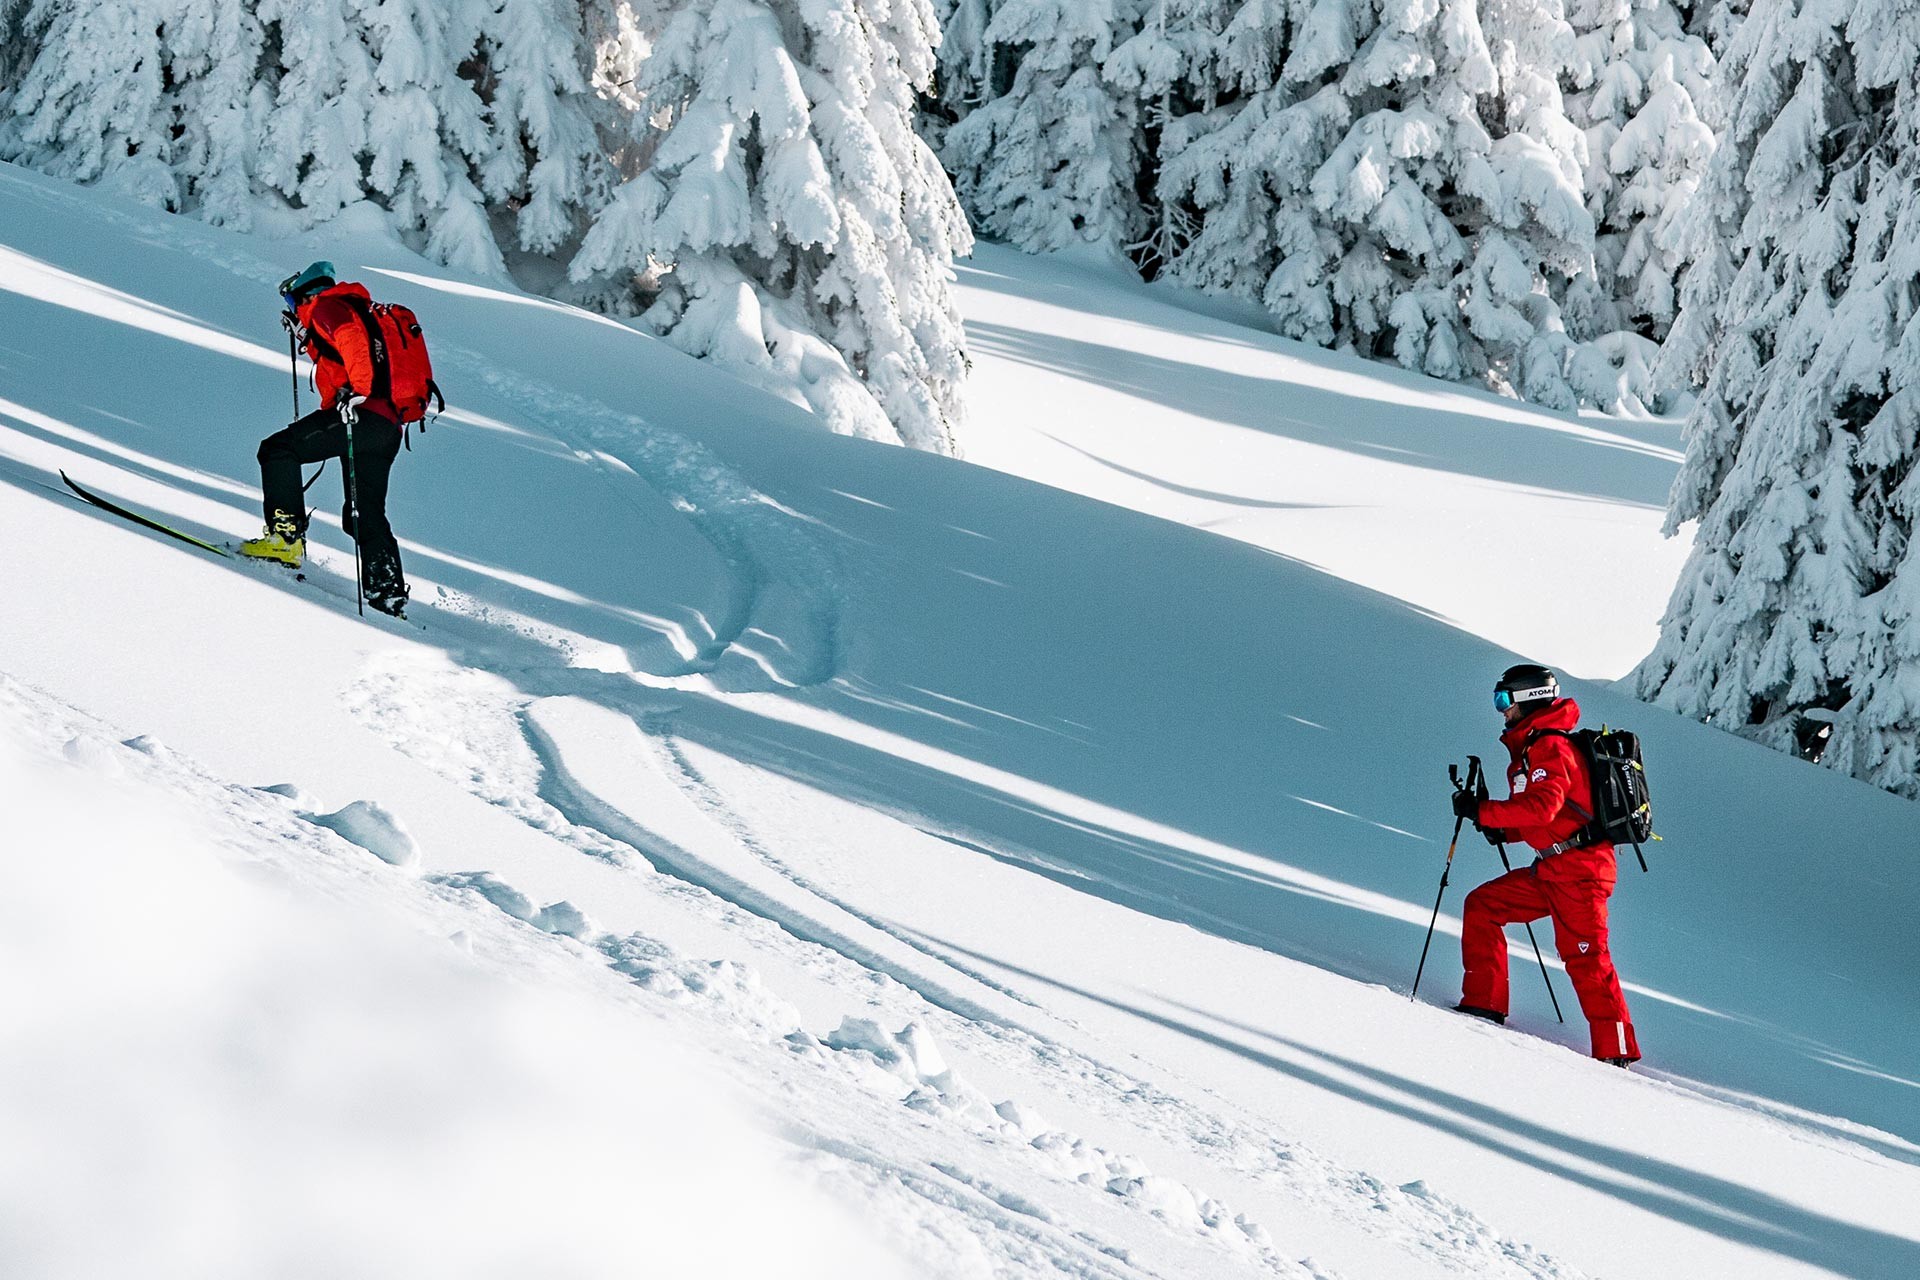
(548, 125)
(376, 108)
(1641, 78)
(966, 71)
(801, 232)
(1400, 177)
(1797, 618)
(98, 98)
(436, 110)
(1047, 153)
(1171, 66)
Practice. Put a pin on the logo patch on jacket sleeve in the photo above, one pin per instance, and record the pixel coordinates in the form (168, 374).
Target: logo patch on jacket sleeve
(1539, 775)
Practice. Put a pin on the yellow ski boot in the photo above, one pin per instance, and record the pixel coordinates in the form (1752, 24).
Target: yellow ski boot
(281, 543)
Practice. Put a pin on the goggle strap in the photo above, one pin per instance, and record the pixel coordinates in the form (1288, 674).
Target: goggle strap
(1505, 698)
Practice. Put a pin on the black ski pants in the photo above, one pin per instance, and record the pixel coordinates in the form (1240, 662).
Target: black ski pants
(321, 435)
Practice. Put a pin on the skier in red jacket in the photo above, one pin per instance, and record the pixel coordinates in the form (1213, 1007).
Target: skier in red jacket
(1570, 880)
(329, 318)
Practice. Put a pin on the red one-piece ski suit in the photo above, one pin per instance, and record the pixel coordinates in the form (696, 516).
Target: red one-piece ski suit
(1548, 779)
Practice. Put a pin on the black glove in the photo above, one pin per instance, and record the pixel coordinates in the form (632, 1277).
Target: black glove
(1466, 805)
(1494, 835)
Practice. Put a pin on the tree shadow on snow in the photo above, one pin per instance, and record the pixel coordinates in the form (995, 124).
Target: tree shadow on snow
(1570, 459)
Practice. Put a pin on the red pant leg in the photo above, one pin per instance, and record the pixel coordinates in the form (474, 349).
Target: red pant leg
(1496, 904)
(1579, 909)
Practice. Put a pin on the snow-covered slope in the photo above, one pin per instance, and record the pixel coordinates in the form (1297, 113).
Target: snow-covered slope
(1049, 874)
(1536, 530)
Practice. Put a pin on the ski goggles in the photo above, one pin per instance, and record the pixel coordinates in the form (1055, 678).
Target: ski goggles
(1505, 698)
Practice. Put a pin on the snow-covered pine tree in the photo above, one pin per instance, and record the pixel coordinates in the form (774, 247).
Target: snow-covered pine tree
(19, 41)
(98, 100)
(1171, 66)
(966, 71)
(550, 128)
(1796, 621)
(1716, 21)
(372, 105)
(1400, 177)
(433, 109)
(1639, 78)
(1051, 160)
(806, 234)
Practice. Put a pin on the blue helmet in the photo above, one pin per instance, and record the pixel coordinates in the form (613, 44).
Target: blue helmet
(303, 284)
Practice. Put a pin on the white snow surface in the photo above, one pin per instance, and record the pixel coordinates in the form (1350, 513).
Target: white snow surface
(1537, 530)
(827, 858)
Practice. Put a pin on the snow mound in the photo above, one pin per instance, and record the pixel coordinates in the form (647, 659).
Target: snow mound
(293, 794)
(374, 829)
(565, 919)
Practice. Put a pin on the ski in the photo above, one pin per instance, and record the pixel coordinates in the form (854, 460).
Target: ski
(225, 552)
(144, 522)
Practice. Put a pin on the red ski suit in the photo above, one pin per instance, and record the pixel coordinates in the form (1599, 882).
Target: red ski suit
(1548, 779)
(336, 342)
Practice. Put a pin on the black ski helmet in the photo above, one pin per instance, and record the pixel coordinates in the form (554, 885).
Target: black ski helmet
(1523, 683)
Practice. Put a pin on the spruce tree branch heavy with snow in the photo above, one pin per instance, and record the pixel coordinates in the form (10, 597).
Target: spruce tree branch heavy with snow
(799, 230)
(446, 114)
(1400, 178)
(1797, 619)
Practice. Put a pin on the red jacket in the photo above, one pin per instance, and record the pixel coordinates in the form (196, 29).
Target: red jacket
(337, 344)
(1548, 778)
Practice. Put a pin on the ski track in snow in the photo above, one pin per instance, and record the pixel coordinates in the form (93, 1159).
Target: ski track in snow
(714, 804)
(513, 749)
(781, 626)
(583, 807)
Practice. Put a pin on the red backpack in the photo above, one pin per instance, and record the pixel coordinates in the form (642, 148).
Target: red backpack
(402, 371)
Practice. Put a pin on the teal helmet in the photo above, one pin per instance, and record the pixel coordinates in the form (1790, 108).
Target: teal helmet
(303, 284)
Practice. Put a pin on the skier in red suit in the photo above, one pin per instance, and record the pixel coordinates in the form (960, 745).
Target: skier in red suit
(1568, 881)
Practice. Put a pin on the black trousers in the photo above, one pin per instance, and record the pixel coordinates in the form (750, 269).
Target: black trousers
(320, 435)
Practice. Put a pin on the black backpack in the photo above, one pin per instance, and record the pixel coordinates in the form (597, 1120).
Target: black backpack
(1623, 807)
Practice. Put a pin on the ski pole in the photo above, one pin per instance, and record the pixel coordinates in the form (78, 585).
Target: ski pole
(1502, 846)
(353, 511)
(293, 366)
(1453, 776)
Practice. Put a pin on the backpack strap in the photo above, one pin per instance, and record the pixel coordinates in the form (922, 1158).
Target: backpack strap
(382, 388)
(319, 346)
(1589, 832)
